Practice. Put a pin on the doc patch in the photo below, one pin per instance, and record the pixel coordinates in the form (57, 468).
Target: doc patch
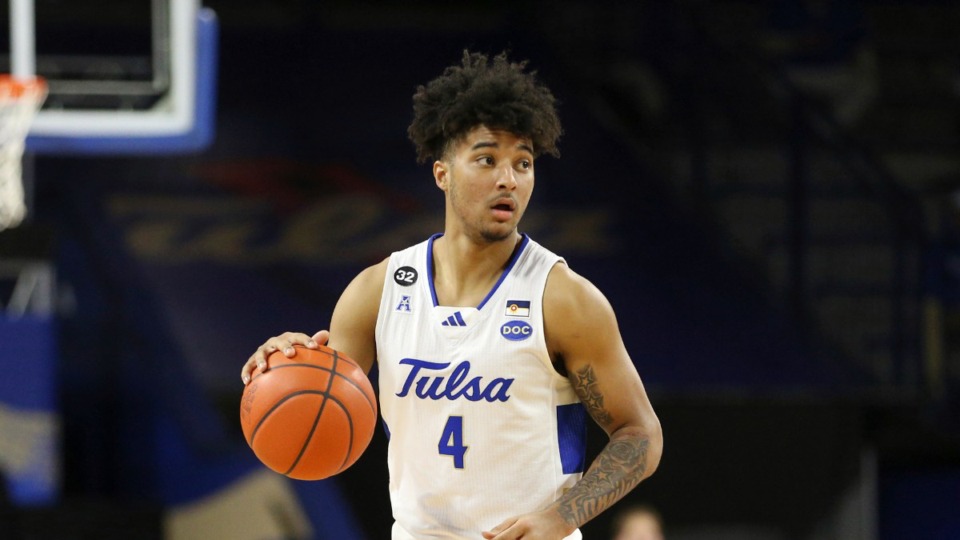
(516, 330)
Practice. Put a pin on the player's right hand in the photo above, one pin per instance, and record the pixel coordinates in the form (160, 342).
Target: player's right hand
(285, 343)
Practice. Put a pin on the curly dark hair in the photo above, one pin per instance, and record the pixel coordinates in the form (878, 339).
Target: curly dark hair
(497, 94)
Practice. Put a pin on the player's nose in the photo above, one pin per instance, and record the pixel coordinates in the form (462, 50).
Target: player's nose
(506, 178)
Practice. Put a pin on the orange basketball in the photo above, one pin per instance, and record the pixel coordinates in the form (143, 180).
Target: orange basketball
(311, 416)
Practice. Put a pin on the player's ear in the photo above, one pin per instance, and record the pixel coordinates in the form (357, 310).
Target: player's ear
(441, 174)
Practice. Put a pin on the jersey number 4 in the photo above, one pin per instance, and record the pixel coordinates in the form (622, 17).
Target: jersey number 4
(451, 441)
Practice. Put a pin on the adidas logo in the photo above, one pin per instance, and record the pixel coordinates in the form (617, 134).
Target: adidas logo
(454, 320)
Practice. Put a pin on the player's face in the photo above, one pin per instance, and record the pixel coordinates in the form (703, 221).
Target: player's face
(488, 178)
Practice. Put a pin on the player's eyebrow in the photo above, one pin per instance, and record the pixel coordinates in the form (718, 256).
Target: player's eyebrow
(493, 144)
(485, 144)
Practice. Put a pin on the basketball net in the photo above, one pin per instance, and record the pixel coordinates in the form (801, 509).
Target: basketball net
(20, 99)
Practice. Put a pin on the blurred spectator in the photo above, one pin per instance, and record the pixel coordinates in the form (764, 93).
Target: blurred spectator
(639, 522)
(824, 49)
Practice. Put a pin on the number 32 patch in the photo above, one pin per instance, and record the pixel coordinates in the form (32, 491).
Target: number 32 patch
(405, 276)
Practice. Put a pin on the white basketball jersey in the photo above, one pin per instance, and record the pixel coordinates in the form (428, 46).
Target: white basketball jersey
(481, 426)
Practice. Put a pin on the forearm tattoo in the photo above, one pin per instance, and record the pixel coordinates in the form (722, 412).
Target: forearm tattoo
(617, 470)
(587, 390)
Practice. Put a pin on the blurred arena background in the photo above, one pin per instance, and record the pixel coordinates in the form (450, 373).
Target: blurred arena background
(768, 193)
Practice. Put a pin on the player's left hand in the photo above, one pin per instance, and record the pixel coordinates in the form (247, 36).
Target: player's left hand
(545, 525)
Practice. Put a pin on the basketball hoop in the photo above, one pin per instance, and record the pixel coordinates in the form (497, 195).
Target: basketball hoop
(19, 101)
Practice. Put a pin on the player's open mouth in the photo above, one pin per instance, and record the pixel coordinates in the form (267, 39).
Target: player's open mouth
(504, 203)
(503, 209)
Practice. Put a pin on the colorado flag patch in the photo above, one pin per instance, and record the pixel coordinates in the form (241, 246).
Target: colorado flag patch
(518, 308)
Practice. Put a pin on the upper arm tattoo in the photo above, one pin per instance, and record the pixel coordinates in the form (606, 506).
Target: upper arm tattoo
(585, 385)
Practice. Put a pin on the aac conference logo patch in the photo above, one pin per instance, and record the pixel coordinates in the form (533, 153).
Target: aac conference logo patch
(516, 330)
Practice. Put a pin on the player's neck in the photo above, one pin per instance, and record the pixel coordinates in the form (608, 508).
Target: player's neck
(465, 270)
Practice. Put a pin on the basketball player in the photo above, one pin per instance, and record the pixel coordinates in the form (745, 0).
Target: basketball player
(491, 350)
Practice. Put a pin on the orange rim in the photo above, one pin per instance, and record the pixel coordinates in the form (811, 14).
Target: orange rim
(16, 88)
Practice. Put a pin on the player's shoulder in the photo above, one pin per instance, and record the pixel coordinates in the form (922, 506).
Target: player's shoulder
(563, 282)
(576, 315)
(569, 296)
(367, 286)
(373, 274)
(371, 279)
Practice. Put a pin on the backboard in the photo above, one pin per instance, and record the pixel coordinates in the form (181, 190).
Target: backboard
(124, 76)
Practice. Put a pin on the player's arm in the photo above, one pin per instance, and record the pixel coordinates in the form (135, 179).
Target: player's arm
(583, 336)
(583, 332)
(352, 326)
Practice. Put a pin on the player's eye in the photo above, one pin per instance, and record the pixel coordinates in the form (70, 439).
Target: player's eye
(486, 160)
(525, 164)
